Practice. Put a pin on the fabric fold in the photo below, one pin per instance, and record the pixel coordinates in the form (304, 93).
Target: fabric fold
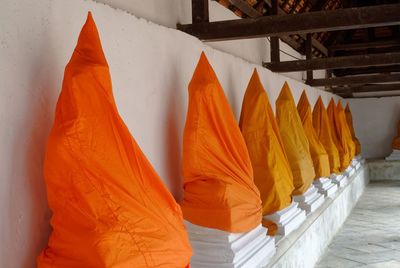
(295, 141)
(323, 130)
(318, 153)
(219, 190)
(272, 173)
(345, 132)
(341, 144)
(349, 119)
(396, 141)
(110, 208)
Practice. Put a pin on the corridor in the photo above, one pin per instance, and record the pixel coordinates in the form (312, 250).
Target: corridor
(371, 235)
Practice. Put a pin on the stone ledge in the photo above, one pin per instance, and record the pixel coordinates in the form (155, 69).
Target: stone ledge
(384, 170)
(304, 246)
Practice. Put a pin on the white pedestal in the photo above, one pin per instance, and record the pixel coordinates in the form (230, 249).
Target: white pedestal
(325, 186)
(340, 179)
(350, 170)
(304, 247)
(310, 200)
(354, 162)
(287, 219)
(358, 165)
(358, 161)
(214, 248)
(395, 155)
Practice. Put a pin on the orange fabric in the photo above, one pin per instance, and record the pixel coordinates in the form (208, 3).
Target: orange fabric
(110, 208)
(340, 143)
(323, 130)
(271, 226)
(295, 141)
(219, 191)
(318, 153)
(345, 132)
(272, 173)
(349, 119)
(396, 141)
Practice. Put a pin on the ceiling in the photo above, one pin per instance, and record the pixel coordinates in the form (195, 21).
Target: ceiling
(358, 43)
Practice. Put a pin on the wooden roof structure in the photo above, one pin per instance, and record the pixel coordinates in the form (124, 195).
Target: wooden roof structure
(357, 42)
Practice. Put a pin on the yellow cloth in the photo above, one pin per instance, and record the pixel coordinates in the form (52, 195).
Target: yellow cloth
(272, 173)
(219, 189)
(324, 133)
(341, 145)
(345, 132)
(396, 141)
(349, 119)
(318, 153)
(295, 141)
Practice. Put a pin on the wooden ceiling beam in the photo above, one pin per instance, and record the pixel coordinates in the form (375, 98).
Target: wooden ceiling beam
(367, 70)
(353, 80)
(200, 11)
(367, 88)
(309, 22)
(369, 96)
(253, 13)
(366, 45)
(246, 8)
(380, 59)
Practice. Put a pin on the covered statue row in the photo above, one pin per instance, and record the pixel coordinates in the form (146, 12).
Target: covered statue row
(245, 185)
(395, 155)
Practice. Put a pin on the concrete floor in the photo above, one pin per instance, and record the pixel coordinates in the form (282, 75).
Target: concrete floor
(370, 236)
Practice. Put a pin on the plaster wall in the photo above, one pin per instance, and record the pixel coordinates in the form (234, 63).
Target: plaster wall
(151, 66)
(375, 123)
(167, 14)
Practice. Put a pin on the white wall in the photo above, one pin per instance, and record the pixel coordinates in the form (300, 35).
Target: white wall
(375, 123)
(150, 66)
(165, 13)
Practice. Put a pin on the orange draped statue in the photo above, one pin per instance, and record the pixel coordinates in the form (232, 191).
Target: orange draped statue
(345, 132)
(318, 153)
(110, 208)
(349, 119)
(219, 190)
(323, 130)
(338, 139)
(272, 173)
(396, 141)
(295, 141)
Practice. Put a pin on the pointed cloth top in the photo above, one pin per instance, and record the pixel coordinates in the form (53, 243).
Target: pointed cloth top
(396, 141)
(295, 141)
(322, 128)
(340, 143)
(272, 173)
(219, 191)
(349, 119)
(318, 153)
(345, 132)
(110, 208)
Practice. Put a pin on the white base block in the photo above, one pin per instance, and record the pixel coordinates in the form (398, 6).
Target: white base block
(358, 165)
(395, 155)
(356, 162)
(340, 179)
(287, 219)
(350, 170)
(325, 186)
(303, 247)
(310, 200)
(384, 170)
(220, 249)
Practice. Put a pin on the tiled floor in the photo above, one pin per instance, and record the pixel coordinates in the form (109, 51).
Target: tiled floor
(371, 235)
